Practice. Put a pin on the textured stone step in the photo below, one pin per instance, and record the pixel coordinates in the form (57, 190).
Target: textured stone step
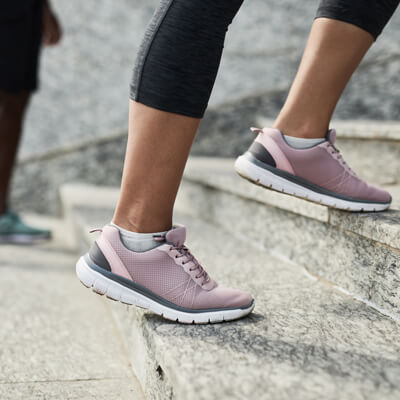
(371, 148)
(304, 340)
(358, 252)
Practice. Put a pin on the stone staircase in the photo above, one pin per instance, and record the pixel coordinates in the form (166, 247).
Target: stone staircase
(325, 283)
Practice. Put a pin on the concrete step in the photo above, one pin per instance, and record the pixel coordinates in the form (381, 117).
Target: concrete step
(357, 252)
(371, 148)
(305, 340)
(57, 341)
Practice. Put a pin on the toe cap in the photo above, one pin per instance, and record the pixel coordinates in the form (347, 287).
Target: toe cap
(224, 297)
(380, 195)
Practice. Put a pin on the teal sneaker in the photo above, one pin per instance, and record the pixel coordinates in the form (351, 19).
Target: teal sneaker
(13, 230)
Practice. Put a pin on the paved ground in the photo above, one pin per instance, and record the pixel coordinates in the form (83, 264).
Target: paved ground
(57, 340)
(86, 80)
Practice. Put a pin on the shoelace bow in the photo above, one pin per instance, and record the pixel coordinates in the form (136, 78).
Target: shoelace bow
(185, 252)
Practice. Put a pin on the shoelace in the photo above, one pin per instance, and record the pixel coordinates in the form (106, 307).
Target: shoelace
(185, 252)
(338, 156)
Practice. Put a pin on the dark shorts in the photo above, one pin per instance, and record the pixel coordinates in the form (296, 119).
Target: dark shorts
(20, 42)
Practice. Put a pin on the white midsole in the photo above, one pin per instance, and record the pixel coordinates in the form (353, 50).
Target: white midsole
(103, 285)
(269, 180)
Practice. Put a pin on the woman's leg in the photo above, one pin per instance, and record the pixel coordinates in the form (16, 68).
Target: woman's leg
(158, 146)
(299, 156)
(333, 52)
(176, 69)
(339, 39)
(173, 78)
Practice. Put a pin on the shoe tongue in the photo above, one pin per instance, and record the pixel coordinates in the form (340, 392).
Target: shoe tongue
(331, 136)
(176, 236)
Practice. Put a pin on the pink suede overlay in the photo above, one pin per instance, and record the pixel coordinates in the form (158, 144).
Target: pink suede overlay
(322, 165)
(117, 267)
(266, 139)
(169, 271)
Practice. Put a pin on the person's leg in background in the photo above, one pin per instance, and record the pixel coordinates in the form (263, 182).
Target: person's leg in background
(22, 28)
(340, 36)
(175, 73)
(12, 110)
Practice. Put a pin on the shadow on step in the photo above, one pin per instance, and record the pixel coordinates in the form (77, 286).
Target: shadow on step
(304, 352)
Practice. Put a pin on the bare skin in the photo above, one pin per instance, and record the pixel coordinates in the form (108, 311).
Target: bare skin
(333, 52)
(12, 111)
(158, 147)
(52, 31)
(159, 142)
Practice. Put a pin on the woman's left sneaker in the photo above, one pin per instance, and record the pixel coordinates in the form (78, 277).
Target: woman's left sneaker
(318, 174)
(14, 231)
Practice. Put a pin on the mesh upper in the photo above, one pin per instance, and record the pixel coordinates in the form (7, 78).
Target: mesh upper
(157, 271)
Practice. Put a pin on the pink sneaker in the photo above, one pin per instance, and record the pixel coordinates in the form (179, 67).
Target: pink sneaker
(167, 280)
(317, 174)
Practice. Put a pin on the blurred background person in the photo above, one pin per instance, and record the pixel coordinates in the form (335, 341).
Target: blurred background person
(24, 26)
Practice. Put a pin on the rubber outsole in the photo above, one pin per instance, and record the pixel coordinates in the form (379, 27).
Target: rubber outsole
(267, 179)
(102, 285)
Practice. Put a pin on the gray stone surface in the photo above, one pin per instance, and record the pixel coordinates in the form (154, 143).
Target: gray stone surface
(91, 389)
(357, 252)
(381, 227)
(36, 182)
(57, 340)
(303, 341)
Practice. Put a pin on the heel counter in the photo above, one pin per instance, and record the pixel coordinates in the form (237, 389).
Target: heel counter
(97, 256)
(270, 139)
(261, 154)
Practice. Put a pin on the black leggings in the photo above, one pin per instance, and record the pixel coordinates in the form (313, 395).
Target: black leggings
(181, 52)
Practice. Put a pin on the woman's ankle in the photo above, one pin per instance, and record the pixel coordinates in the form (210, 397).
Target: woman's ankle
(142, 223)
(304, 130)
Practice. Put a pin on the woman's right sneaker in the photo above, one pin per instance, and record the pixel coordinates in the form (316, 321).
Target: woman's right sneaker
(167, 280)
(318, 174)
